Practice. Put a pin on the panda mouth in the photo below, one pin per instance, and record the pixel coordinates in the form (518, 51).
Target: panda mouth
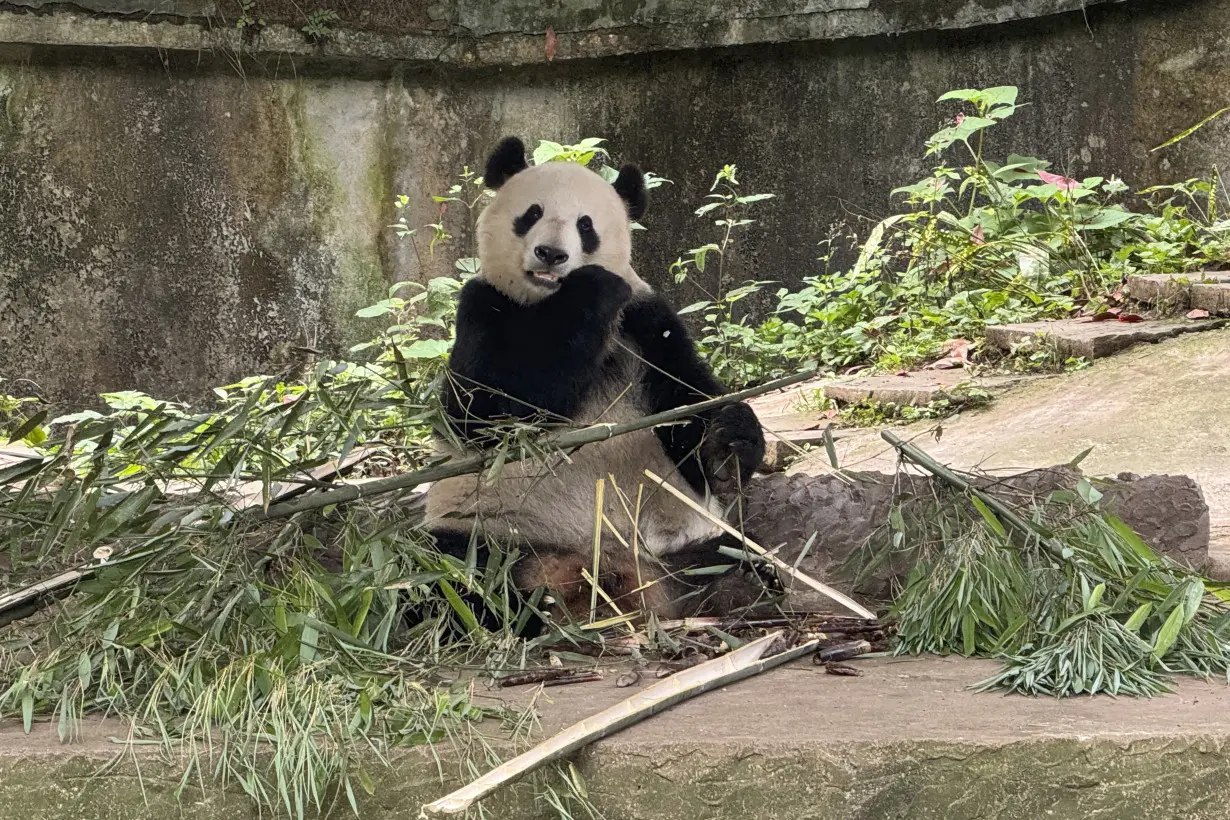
(544, 278)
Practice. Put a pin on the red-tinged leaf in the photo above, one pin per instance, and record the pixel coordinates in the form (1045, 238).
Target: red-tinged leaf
(443, 208)
(1198, 313)
(829, 414)
(1058, 180)
(1130, 318)
(1114, 310)
(902, 373)
(977, 236)
(551, 44)
(1104, 316)
(1117, 296)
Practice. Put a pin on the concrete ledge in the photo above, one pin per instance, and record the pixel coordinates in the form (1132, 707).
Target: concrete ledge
(906, 740)
(475, 35)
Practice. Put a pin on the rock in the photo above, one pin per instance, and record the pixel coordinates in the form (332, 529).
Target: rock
(844, 511)
(1094, 340)
(1175, 292)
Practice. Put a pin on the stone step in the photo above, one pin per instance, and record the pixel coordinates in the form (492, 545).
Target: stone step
(1180, 292)
(1095, 340)
(910, 738)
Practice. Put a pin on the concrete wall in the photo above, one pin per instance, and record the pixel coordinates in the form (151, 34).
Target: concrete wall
(179, 204)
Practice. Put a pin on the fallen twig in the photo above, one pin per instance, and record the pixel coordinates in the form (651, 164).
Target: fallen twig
(823, 589)
(737, 665)
(552, 676)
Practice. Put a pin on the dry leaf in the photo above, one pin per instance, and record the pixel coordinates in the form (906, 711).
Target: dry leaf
(551, 44)
(1198, 313)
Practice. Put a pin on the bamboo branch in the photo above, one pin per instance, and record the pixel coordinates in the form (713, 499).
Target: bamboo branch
(1025, 527)
(823, 589)
(734, 666)
(477, 462)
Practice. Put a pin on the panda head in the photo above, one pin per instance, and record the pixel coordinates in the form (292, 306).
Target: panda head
(548, 220)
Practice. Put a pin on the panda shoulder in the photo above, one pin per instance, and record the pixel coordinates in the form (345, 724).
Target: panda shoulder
(478, 293)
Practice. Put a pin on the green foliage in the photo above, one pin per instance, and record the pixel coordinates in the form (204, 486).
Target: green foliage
(320, 24)
(1103, 613)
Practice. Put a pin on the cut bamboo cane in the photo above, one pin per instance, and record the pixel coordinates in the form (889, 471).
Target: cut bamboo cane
(824, 589)
(477, 462)
(734, 666)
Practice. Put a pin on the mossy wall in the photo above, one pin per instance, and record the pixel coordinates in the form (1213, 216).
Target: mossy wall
(180, 207)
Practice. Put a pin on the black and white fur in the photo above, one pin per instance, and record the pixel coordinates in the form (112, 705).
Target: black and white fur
(559, 327)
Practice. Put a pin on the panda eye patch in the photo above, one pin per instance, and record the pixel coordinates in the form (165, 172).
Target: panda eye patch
(589, 237)
(523, 223)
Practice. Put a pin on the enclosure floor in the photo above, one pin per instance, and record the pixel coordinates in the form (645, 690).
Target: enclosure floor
(908, 739)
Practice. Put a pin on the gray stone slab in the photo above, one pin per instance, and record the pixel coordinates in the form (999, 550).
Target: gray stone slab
(1176, 292)
(1094, 340)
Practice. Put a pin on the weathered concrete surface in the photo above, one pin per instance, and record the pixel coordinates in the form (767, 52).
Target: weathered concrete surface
(1094, 340)
(476, 33)
(150, 241)
(1151, 410)
(906, 740)
(914, 388)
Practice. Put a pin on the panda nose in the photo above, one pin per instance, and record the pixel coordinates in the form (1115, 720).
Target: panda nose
(551, 256)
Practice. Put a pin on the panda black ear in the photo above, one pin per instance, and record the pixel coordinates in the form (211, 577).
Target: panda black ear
(630, 185)
(507, 160)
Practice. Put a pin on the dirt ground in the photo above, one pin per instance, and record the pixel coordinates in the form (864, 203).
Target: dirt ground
(1154, 409)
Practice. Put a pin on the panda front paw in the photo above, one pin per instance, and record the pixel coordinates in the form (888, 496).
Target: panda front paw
(733, 448)
(597, 288)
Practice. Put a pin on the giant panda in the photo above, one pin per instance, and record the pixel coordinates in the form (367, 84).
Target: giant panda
(558, 327)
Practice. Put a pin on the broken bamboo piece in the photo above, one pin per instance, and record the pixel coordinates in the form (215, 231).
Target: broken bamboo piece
(824, 589)
(734, 666)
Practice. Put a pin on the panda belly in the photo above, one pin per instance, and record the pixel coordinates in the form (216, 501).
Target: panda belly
(552, 502)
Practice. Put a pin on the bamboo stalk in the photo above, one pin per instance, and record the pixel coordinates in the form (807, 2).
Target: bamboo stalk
(1022, 525)
(475, 463)
(593, 589)
(704, 677)
(823, 589)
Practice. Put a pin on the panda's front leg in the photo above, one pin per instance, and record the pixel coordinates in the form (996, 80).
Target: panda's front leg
(732, 448)
(718, 450)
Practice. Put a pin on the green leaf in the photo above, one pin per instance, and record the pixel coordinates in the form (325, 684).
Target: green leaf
(1168, 634)
(30, 425)
(27, 711)
(1095, 597)
(1182, 135)
(1138, 617)
(992, 520)
(1191, 602)
(309, 641)
(459, 606)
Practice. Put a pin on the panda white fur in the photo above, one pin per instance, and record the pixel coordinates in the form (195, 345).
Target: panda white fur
(559, 327)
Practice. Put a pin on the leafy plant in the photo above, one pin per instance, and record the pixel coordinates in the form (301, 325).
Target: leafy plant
(320, 24)
(725, 339)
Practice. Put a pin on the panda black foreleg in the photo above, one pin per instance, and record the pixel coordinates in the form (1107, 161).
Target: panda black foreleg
(520, 361)
(720, 448)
